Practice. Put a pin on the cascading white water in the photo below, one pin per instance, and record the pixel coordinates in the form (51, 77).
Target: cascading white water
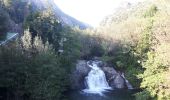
(96, 80)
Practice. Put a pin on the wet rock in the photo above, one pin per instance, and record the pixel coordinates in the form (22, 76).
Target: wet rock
(100, 64)
(118, 82)
(114, 79)
(110, 72)
(82, 67)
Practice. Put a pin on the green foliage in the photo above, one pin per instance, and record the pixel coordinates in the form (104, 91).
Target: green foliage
(49, 80)
(17, 9)
(96, 50)
(106, 58)
(64, 39)
(144, 95)
(32, 69)
(3, 24)
(151, 11)
(70, 48)
(154, 77)
(131, 75)
(144, 59)
(129, 63)
(145, 42)
(46, 26)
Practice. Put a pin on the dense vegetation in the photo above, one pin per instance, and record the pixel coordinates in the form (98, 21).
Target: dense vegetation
(16, 9)
(37, 65)
(3, 24)
(32, 70)
(142, 36)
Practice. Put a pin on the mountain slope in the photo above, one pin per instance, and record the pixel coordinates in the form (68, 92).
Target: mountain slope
(63, 18)
(144, 29)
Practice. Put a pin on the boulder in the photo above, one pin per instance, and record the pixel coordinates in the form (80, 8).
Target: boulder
(78, 75)
(118, 82)
(81, 67)
(110, 72)
(114, 79)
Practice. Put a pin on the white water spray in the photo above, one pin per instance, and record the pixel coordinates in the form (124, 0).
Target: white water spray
(96, 80)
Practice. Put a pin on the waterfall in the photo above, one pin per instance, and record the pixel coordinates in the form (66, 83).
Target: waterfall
(96, 80)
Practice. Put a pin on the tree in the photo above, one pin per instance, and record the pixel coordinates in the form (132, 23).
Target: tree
(3, 24)
(31, 69)
(46, 26)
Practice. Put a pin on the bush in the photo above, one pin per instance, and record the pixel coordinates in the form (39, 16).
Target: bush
(145, 95)
(97, 51)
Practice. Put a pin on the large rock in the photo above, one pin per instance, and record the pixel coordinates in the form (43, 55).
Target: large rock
(79, 74)
(110, 72)
(114, 79)
(118, 82)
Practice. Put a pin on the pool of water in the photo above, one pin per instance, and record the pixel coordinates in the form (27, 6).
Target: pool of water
(111, 95)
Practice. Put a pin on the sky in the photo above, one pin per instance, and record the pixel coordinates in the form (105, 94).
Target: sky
(90, 11)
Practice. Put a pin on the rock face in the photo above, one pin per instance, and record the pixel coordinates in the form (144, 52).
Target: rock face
(118, 82)
(110, 73)
(115, 80)
(78, 75)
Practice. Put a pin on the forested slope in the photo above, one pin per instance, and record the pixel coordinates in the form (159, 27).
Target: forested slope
(36, 65)
(143, 31)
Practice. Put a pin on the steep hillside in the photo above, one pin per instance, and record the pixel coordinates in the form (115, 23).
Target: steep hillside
(17, 11)
(63, 18)
(143, 30)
